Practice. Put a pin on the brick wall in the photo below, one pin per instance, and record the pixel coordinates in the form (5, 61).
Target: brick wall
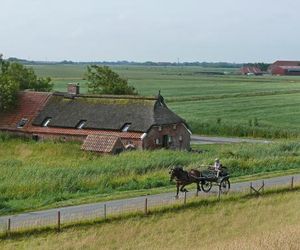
(174, 136)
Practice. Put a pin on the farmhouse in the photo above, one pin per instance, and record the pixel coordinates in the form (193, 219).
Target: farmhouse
(291, 68)
(123, 122)
(251, 70)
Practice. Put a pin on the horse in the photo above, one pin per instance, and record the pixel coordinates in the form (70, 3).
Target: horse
(184, 178)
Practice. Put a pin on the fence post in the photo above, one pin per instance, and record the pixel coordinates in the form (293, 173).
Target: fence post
(250, 187)
(263, 187)
(8, 226)
(184, 200)
(197, 193)
(104, 211)
(219, 193)
(292, 182)
(146, 206)
(58, 221)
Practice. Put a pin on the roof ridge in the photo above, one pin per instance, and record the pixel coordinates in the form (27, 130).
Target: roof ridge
(133, 97)
(30, 91)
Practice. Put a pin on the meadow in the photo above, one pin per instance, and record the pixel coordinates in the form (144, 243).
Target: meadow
(268, 222)
(35, 175)
(52, 174)
(227, 105)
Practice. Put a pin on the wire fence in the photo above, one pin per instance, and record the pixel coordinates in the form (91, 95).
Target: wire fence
(56, 218)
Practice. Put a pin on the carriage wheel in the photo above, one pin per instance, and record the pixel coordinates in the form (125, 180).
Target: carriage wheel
(225, 186)
(206, 186)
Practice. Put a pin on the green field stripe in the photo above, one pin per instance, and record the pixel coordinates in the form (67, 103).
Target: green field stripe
(237, 95)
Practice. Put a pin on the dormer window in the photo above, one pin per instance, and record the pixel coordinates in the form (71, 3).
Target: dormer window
(46, 122)
(81, 124)
(22, 123)
(126, 127)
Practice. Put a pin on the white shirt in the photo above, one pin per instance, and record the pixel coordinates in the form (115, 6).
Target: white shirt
(217, 166)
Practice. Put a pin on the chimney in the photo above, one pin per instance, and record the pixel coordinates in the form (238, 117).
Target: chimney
(73, 88)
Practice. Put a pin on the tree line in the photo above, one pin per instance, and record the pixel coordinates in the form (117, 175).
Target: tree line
(132, 63)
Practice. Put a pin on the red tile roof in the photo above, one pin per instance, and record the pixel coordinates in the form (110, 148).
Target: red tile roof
(28, 106)
(286, 63)
(100, 143)
(251, 69)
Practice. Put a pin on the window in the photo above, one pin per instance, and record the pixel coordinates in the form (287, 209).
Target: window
(46, 122)
(159, 128)
(126, 127)
(180, 138)
(170, 139)
(174, 126)
(157, 141)
(22, 123)
(81, 124)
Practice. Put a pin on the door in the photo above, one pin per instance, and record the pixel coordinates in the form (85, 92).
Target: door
(165, 142)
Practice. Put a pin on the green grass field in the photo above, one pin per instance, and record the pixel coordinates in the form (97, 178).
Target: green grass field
(268, 222)
(217, 105)
(37, 175)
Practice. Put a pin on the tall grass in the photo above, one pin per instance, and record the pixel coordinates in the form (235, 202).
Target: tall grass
(227, 128)
(35, 174)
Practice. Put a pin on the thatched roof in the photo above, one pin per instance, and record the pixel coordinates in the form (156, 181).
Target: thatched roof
(106, 112)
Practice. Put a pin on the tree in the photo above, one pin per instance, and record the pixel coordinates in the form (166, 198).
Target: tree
(102, 80)
(14, 77)
(27, 79)
(8, 92)
(8, 87)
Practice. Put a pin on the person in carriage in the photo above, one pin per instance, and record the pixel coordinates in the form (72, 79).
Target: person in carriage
(217, 167)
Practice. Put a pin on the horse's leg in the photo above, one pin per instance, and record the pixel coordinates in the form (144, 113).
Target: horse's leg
(198, 186)
(177, 186)
(182, 189)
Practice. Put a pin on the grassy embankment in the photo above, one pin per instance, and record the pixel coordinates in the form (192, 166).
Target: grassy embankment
(48, 174)
(228, 105)
(237, 222)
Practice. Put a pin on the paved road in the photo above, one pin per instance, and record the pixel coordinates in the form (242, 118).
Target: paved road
(96, 210)
(197, 139)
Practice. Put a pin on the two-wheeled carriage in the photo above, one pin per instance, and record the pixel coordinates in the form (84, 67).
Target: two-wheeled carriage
(212, 177)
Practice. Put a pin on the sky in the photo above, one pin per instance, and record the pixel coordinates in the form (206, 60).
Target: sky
(150, 30)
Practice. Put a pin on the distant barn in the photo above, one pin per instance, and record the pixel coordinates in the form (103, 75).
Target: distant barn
(102, 121)
(288, 68)
(251, 70)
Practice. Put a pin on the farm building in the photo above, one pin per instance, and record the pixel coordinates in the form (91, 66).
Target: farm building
(137, 122)
(251, 70)
(285, 68)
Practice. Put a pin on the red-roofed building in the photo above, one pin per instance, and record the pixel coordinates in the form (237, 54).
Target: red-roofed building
(138, 122)
(291, 68)
(251, 70)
